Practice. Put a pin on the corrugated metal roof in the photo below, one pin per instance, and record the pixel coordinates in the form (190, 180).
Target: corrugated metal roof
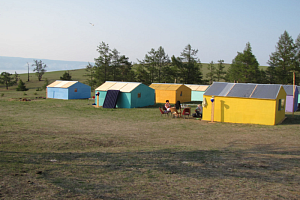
(244, 90)
(122, 86)
(62, 84)
(241, 90)
(289, 89)
(266, 91)
(226, 89)
(216, 89)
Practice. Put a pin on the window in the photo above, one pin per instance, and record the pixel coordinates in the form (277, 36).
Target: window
(75, 90)
(181, 93)
(281, 104)
(139, 95)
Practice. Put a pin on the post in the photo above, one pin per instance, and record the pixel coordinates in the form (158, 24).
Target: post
(28, 71)
(212, 108)
(293, 91)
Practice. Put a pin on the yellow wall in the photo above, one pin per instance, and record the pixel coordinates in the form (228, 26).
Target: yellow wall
(244, 110)
(162, 95)
(186, 94)
(280, 114)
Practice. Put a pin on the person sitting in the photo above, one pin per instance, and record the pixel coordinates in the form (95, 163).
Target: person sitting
(198, 111)
(168, 105)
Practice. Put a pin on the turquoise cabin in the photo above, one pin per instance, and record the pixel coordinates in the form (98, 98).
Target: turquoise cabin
(132, 94)
(197, 91)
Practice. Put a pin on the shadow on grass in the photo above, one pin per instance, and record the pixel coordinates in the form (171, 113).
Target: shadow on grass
(109, 175)
(290, 119)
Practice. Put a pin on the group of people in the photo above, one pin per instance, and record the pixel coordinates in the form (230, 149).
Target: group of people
(198, 110)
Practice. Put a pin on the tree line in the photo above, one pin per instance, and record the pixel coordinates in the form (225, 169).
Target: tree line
(158, 67)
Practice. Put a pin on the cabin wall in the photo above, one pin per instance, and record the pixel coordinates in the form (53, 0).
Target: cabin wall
(142, 96)
(241, 110)
(162, 95)
(57, 93)
(79, 91)
(183, 94)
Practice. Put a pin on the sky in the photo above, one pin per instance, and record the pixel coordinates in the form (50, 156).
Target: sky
(71, 30)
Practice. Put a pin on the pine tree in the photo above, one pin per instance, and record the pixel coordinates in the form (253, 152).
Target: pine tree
(66, 76)
(212, 71)
(21, 86)
(244, 67)
(283, 59)
(7, 79)
(220, 73)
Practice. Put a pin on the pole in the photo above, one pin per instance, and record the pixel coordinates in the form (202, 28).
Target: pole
(212, 108)
(293, 91)
(28, 71)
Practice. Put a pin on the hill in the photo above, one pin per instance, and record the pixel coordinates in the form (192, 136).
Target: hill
(19, 65)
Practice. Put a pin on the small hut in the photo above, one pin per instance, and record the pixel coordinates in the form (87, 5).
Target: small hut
(197, 91)
(291, 99)
(126, 94)
(172, 92)
(68, 90)
(245, 103)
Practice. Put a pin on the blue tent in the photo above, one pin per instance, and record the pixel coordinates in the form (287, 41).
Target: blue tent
(131, 95)
(68, 90)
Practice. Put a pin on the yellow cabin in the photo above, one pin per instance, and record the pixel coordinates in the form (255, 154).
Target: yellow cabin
(172, 92)
(245, 103)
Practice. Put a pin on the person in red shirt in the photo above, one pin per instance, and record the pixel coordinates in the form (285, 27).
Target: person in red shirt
(168, 105)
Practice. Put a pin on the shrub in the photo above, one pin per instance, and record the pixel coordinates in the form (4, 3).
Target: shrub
(21, 86)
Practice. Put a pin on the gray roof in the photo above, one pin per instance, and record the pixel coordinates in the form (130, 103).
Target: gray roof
(241, 90)
(244, 90)
(289, 89)
(218, 89)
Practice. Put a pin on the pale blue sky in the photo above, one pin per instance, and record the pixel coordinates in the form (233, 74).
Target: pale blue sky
(61, 29)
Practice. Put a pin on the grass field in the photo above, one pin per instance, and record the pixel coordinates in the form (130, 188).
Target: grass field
(58, 149)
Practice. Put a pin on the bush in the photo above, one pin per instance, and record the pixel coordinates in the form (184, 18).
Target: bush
(2, 95)
(38, 89)
(21, 86)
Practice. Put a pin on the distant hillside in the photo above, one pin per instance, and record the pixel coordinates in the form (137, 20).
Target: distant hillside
(19, 65)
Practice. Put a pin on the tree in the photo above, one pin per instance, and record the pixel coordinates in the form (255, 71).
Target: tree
(154, 62)
(90, 71)
(162, 61)
(21, 86)
(66, 76)
(142, 75)
(212, 71)
(150, 63)
(125, 72)
(283, 59)
(7, 79)
(46, 83)
(16, 77)
(244, 67)
(102, 63)
(220, 73)
(189, 65)
(39, 68)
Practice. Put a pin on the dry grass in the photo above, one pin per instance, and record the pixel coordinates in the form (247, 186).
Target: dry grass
(56, 149)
